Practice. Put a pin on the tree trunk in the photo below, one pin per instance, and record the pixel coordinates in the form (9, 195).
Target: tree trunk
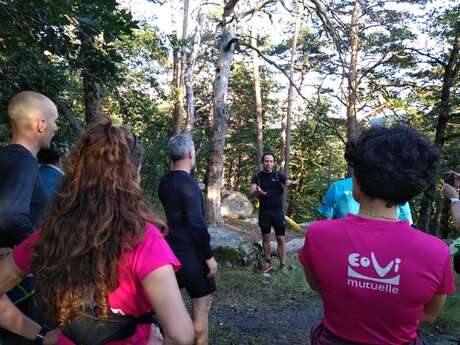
(71, 116)
(451, 70)
(191, 117)
(444, 223)
(352, 121)
(285, 142)
(91, 88)
(258, 98)
(220, 117)
(179, 105)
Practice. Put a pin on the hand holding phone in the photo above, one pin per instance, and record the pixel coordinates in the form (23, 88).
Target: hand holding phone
(449, 178)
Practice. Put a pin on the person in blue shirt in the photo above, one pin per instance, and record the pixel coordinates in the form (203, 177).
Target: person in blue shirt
(50, 169)
(338, 202)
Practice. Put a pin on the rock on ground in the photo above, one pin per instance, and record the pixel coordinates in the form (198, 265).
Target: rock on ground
(292, 247)
(231, 248)
(236, 205)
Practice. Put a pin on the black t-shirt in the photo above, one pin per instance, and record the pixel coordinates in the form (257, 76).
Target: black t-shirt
(181, 198)
(23, 196)
(271, 183)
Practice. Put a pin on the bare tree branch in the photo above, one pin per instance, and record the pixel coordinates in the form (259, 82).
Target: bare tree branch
(431, 57)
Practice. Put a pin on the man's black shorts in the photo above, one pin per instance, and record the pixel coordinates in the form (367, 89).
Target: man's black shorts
(192, 275)
(272, 217)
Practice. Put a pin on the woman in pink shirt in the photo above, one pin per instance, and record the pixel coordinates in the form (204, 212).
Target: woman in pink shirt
(378, 277)
(99, 253)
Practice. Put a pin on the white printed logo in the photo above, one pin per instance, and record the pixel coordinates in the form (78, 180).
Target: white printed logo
(387, 276)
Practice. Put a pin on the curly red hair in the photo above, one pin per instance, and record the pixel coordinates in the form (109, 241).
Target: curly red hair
(98, 213)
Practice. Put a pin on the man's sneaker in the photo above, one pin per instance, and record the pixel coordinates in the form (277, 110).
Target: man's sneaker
(266, 267)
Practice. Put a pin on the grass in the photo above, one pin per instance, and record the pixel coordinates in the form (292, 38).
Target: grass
(450, 315)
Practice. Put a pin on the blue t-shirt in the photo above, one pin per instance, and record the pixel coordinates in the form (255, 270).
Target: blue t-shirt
(52, 178)
(338, 202)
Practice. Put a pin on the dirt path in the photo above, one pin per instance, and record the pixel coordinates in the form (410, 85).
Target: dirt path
(260, 312)
(263, 315)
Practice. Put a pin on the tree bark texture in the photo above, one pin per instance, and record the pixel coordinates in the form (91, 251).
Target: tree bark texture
(285, 142)
(220, 116)
(258, 99)
(191, 117)
(352, 121)
(91, 87)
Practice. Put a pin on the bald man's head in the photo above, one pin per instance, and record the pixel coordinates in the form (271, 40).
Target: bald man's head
(28, 105)
(33, 115)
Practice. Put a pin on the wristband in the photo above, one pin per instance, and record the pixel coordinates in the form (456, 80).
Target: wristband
(41, 335)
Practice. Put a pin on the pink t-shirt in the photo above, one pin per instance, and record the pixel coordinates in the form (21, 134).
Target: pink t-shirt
(375, 276)
(134, 266)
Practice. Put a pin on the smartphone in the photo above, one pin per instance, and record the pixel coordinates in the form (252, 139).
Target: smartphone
(449, 178)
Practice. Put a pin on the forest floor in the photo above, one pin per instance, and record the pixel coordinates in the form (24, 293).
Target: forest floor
(255, 309)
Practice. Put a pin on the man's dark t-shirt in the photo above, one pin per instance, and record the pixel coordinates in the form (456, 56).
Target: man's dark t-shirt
(23, 196)
(271, 183)
(181, 198)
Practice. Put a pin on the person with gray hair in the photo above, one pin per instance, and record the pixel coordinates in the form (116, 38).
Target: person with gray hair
(188, 236)
(179, 146)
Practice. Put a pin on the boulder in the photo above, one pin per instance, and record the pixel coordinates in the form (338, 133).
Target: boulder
(292, 247)
(236, 205)
(230, 247)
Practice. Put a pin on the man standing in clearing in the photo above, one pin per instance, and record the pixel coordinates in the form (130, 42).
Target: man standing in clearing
(267, 185)
(23, 196)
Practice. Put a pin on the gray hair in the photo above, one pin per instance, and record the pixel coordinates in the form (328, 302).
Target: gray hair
(179, 146)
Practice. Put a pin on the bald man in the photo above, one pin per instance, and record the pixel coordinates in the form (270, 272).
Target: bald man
(23, 196)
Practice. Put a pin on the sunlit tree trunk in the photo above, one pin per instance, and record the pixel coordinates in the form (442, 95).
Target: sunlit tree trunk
(221, 116)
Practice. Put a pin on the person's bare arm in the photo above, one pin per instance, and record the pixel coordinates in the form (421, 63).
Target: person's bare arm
(291, 184)
(255, 190)
(11, 318)
(164, 295)
(432, 309)
(311, 279)
(451, 193)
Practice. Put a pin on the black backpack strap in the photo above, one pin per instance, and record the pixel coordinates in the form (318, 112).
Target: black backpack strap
(89, 329)
(258, 179)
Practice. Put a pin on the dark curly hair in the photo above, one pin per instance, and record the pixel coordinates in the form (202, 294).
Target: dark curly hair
(393, 164)
(98, 213)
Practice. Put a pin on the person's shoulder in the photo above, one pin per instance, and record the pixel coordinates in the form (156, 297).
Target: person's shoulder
(324, 226)
(18, 159)
(164, 178)
(152, 233)
(152, 230)
(429, 242)
(17, 152)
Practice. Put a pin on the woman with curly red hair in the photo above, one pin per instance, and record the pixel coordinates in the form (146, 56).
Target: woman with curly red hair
(99, 254)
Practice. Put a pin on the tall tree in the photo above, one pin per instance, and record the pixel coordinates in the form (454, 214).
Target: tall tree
(91, 87)
(258, 97)
(220, 115)
(285, 141)
(352, 77)
(451, 70)
(191, 60)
